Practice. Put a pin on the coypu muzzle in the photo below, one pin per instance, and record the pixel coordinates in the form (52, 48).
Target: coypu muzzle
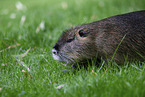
(55, 52)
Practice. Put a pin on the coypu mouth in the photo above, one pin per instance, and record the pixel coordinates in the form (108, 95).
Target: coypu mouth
(60, 56)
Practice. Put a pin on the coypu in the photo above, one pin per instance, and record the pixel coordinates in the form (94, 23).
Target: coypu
(101, 38)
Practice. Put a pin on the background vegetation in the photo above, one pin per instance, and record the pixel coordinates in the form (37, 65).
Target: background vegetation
(28, 31)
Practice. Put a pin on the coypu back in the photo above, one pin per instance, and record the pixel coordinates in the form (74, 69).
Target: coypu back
(101, 38)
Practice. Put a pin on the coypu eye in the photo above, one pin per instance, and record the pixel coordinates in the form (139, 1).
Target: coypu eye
(69, 40)
(82, 33)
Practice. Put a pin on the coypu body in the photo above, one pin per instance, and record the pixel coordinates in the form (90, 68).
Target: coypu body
(102, 38)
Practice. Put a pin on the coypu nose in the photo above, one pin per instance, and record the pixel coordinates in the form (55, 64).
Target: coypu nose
(54, 51)
(56, 47)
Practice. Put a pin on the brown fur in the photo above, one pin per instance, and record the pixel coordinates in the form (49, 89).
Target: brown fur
(102, 38)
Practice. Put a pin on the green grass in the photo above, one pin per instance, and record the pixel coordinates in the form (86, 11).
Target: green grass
(21, 48)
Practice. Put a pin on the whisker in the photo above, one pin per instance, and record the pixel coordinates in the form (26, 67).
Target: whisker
(62, 56)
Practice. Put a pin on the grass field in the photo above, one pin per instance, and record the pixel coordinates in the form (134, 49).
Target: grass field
(28, 31)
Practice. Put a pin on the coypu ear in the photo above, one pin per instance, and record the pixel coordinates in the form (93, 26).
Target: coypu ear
(82, 33)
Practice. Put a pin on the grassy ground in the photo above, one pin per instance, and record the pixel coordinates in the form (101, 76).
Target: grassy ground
(26, 64)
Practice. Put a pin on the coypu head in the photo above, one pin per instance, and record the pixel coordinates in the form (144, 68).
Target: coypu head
(75, 45)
